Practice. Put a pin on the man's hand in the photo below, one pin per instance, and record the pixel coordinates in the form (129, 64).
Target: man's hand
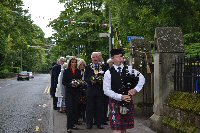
(126, 98)
(132, 92)
(93, 81)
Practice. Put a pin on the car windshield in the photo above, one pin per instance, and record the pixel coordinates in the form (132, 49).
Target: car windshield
(24, 72)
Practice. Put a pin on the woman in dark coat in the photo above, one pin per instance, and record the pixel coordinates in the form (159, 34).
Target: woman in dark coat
(70, 76)
(83, 87)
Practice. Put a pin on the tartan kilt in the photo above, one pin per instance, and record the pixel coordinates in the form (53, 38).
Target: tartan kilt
(117, 120)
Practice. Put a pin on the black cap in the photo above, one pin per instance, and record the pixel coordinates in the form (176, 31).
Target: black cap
(116, 52)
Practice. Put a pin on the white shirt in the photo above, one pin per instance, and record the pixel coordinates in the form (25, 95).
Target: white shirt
(107, 82)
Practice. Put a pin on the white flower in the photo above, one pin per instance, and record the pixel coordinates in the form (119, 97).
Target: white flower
(101, 72)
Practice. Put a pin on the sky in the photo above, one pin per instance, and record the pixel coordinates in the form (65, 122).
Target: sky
(43, 11)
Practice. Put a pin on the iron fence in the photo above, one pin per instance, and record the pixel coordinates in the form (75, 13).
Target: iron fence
(187, 75)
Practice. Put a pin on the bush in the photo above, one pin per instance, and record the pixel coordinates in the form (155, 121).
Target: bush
(192, 38)
(4, 73)
(185, 101)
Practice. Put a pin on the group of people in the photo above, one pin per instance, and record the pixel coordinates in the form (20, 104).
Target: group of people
(85, 91)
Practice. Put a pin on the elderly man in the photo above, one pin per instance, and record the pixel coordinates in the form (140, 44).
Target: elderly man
(95, 96)
(101, 61)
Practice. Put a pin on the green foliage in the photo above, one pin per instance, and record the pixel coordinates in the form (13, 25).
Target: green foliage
(4, 73)
(192, 49)
(185, 101)
(83, 36)
(130, 17)
(179, 127)
(192, 44)
(17, 33)
(192, 38)
(140, 18)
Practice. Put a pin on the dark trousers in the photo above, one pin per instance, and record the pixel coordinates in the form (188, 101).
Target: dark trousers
(55, 99)
(82, 111)
(106, 101)
(72, 109)
(94, 110)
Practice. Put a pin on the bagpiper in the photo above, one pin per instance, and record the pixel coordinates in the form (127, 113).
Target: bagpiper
(121, 83)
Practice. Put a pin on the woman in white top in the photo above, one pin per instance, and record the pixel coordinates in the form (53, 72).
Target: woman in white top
(60, 90)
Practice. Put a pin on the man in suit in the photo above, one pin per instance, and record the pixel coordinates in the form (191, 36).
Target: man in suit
(106, 100)
(95, 96)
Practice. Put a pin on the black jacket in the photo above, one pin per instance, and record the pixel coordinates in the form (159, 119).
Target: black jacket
(68, 77)
(54, 75)
(93, 89)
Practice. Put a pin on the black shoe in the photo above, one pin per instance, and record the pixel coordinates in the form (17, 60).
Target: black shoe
(69, 131)
(105, 123)
(78, 123)
(55, 108)
(89, 126)
(100, 127)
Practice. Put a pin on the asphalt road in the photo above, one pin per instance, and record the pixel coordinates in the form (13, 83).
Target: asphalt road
(25, 105)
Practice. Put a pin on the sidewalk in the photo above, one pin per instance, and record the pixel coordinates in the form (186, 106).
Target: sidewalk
(58, 125)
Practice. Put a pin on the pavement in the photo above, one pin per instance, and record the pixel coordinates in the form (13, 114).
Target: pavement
(58, 125)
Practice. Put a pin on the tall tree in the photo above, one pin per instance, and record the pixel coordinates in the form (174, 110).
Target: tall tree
(78, 28)
(17, 33)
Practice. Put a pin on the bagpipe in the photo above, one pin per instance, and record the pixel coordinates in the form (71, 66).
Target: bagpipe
(130, 82)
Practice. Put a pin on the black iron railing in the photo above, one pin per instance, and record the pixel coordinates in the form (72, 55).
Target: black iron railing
(187, 75)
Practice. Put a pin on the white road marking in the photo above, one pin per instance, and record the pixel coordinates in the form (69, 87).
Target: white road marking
(45, 91)
(48, 90)
(44, 105)
(37, 128)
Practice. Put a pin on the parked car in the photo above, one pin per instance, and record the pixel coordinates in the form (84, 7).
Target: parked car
(30, 74)
(23, 75)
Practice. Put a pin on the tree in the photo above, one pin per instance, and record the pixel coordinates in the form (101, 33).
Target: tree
(141, 17)
(17, 33)
(78, 28)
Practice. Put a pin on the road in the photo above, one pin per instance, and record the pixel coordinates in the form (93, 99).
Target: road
(25, 105)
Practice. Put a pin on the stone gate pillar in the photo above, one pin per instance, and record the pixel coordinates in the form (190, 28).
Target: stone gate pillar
(168, 46)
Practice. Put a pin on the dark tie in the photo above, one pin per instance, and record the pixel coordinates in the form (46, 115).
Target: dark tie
(119, 70)
(95, 66)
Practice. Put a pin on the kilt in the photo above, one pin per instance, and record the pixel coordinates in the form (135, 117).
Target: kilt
(117, 120)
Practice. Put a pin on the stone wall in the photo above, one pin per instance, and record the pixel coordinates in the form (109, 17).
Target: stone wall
(188, 121)
(168, 46)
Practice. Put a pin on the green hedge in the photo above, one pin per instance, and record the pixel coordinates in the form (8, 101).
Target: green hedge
(185, 101)
(179, 127)
(6, 74)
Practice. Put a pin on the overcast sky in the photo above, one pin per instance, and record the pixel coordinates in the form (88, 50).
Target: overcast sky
(43, 11)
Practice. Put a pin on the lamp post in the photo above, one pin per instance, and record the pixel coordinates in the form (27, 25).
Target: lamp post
(111, 39)
(110, 34)
(21, 58)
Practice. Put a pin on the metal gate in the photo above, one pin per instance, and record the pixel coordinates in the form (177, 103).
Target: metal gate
(187, 75)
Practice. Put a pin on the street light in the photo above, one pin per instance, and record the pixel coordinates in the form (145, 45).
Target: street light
(21, 58)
